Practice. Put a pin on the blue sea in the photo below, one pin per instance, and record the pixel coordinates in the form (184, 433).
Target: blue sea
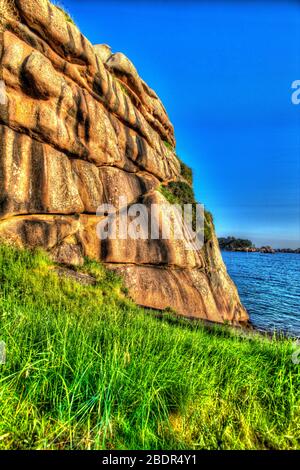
(269, 287)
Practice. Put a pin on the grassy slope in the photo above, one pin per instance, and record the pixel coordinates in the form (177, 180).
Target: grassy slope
(86, 368)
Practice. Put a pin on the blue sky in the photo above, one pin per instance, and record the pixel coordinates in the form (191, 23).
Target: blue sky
(223, 71)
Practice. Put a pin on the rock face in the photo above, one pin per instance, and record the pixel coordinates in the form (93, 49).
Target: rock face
(79, 128)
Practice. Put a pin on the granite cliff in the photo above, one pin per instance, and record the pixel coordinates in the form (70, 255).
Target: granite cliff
(79, 128)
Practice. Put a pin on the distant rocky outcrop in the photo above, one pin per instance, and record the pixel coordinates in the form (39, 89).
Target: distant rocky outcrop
(235, 244)
(244, 245)
(267, 249)
(79, 128)
(287, 250)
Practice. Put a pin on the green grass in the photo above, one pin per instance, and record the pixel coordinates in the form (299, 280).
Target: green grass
(88, 369)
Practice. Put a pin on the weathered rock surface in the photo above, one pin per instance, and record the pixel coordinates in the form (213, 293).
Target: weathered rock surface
(79, 129)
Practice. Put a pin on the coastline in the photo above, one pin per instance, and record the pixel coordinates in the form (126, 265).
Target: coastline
(245, 330)
(263, 249)
(246, 245)
(268, 287)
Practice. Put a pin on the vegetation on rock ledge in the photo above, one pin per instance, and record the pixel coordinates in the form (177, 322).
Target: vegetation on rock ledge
(186, 172)
(180, 192)
(168, 145)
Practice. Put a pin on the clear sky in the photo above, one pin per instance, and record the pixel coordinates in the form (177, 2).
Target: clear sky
(224, 72)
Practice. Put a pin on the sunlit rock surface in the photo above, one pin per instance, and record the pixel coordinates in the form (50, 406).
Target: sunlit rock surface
(80, 128)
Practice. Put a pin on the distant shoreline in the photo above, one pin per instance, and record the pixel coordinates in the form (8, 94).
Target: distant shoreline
(245, 245)
(265, 250)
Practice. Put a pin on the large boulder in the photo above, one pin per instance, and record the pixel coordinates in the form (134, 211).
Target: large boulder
(79, 130)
